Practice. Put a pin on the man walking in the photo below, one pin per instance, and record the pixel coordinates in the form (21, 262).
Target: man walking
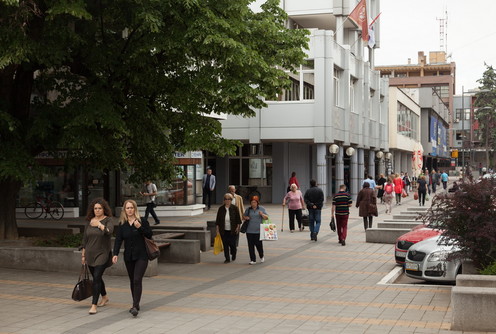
(237, 200)
(314, 199)
(208, 187)
(444, 178)
(150, 193)
(341, 203)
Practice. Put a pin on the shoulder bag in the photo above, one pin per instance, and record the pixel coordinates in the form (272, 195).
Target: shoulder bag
(84, 286)
(151, 249)
(332, 224)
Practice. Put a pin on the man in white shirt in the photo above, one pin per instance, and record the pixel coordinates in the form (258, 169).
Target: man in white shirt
(150, 193)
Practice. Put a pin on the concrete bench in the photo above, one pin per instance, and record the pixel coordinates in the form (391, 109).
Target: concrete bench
(78, 226)
(202, 235)
(58, 259)
(384, 235)
(473, 308)
(397, 224)
(403, 216)
(42, 231)
(180, 251)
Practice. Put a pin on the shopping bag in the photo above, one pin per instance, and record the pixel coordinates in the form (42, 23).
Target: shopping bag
(218, 246)
(84, 286)
(403, 193)
(415, 195)
(305, 221)
(268, 230)
(427, 198)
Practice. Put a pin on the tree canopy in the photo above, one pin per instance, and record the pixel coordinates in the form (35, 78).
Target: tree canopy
(486, 112)
(117, 83)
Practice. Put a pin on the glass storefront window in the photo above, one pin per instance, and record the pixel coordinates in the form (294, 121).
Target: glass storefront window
(56, 184)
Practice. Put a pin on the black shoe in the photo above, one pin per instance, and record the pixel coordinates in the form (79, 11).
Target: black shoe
(134, 311)
(156, 223)
(234, 257)
(315, 237)
(343, 243)
(312, 236)
(340, 241)
(227, 261)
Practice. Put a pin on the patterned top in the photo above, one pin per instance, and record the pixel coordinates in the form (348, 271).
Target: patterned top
(342, 201)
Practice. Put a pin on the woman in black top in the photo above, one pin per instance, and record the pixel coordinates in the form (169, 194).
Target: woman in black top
(422, 190)
(380, 183)
(132, 231)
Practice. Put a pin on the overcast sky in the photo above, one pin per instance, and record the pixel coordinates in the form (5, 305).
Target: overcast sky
(409, 26)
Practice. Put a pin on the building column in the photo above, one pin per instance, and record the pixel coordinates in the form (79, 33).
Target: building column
(339, 168)
(354, 180)
(361, 164)
(322, 168)
(372, 164)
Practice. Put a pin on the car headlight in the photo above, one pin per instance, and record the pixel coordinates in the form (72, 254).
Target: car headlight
(438, 256)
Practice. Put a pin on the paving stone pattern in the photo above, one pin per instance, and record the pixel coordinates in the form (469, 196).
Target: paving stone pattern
(303, 287)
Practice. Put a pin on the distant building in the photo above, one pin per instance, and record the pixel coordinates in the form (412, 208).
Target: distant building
(436, 103)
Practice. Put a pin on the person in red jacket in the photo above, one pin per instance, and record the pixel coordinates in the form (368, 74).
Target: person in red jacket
(398, 188)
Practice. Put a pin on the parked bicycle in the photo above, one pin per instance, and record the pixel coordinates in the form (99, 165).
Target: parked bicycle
(44, 205)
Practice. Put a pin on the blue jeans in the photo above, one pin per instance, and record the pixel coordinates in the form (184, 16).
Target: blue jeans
(314, 220)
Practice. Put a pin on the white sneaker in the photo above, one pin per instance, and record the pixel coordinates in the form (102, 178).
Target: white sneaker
(253, 262)
(262, 260)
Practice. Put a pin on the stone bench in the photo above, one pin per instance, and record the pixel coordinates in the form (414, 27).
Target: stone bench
(473, 307)
(483, 281)
(180, 251)
(48, 231)
(384, 235)
(58, 259)
(397, 224)
(203, 236)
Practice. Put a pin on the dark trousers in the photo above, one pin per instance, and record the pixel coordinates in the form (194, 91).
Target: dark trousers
(229, 242)
(342, 226)
(421, 194)
(445, 184)
(398, 198)
(207, 197)
(149, 210)
(367, 222)
(434, 187)
(292, 214)
(254, 241)
(98, 284)
(136, 271)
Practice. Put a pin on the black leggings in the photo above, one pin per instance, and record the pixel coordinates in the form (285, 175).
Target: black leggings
(98, 284)
(292, 214)
(421, 194)
(367, 221)
(136, 271)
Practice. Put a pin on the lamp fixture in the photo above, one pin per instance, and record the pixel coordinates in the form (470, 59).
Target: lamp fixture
(350, 151)
(379, 154)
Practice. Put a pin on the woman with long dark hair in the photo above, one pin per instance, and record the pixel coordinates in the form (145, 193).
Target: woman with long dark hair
(96, 251)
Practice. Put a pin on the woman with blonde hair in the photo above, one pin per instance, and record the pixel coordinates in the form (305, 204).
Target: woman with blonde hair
(133, 230)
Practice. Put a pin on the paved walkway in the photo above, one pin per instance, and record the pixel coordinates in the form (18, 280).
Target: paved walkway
(303, 287)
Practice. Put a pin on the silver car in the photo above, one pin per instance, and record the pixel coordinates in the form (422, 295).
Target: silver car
(428, 260)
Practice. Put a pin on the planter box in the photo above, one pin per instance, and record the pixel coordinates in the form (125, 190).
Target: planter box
(57, 259)
(473, 301)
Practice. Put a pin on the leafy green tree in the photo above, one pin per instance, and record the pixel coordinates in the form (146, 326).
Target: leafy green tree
(486, 112)
(113, 84)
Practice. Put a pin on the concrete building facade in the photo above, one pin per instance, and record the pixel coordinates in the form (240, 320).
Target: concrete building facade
(330, 126)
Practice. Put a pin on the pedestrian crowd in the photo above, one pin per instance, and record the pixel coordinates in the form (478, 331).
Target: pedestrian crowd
(232, 219)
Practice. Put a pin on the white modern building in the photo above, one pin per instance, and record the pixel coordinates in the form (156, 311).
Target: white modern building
(331, 126)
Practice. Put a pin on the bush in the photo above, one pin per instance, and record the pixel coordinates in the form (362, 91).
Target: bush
(489, 270)
(468, 216)
(66, 240)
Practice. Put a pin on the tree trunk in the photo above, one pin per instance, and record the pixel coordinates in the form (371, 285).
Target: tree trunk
(8, 224)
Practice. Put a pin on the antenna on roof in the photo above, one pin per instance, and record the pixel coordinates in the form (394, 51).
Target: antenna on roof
(443, 32)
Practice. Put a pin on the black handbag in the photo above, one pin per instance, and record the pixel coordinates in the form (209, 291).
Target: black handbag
(332, 224)
(244, 227)
(84, 286)
(151, 249)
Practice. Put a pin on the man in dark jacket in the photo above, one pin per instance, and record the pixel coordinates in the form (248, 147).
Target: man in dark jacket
(314, 199)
